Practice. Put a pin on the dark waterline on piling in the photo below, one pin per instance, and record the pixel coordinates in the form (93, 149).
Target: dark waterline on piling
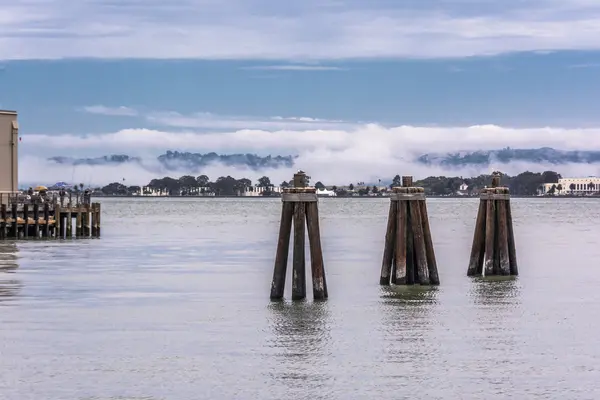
(172, 303)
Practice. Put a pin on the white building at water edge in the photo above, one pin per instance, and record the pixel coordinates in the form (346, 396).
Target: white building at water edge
(575, 186)
(259, 190)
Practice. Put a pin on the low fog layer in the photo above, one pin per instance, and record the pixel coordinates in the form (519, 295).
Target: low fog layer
(334, 156)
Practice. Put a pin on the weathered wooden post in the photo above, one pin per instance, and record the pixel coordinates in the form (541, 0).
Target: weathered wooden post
(493, 251)
(300, 205)
(98, 218)
(57, 221)
(3, 222)
(86, 220)
(408, 254)
(93, 222)
(78, 221)
(36, 220)
(15, 221)
(69, 223)
(46, 232)
(26, 220)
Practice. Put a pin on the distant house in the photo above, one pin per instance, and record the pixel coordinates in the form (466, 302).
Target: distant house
(259, 190)
(326, 193)
(463, 189)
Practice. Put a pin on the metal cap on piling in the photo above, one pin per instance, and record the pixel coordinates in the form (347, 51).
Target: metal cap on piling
(407, 181)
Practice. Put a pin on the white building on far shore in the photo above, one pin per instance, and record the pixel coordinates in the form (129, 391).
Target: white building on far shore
(258, 190)
(325, 193)
(576, 186)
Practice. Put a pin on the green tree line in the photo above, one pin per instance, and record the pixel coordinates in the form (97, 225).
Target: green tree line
(525, 184)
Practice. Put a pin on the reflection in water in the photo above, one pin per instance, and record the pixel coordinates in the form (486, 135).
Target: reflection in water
(301, 335)
(9, 288)
(494, 291)
(498, 315)
(408, 315)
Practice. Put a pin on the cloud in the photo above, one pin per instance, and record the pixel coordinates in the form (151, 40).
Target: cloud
(207, 120)
(111, 111)
(363, 152)
(295, 68)
(307, 30)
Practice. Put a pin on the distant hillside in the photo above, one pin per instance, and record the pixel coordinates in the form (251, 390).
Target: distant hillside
(545, 155)
(175, 160)
(194, 162)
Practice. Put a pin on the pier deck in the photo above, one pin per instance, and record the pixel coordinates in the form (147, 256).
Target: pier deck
(35, 217)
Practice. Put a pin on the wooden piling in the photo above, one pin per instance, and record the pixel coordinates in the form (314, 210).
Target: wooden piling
(69, 224)
(3, 222)
(36, 220)
(78, 221)
(283, 245)
(26, 220)
(388, 249)
(46, 220)
(316, 252)
(86, 221)
(413, 253)
(15, 221)
(434, 277)
(300, 205)
(98, 218)
(512, 253)
(478, 246)
(58, 221)
(93, 220)
(493, 250)
(298, 260)
(400, 243)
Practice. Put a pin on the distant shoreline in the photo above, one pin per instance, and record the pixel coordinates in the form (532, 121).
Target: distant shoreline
(338, 197)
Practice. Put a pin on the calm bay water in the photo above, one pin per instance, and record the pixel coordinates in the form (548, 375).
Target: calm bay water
(173, 303)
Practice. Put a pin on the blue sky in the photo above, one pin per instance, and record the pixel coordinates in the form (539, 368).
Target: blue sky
(332, 80)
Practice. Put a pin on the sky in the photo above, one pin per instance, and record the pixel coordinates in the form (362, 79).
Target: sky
(356, 88)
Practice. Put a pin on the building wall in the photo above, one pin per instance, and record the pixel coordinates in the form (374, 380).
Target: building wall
(9, 148)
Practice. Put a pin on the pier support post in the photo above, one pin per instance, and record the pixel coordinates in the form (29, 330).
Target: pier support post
(69, 223)
(78, 221)
(86, 221)
(300, 205)
(98, 218)
(57, 221)
(46, 220)
(93, 220)
(408, 255)
(15, 221)
(36, 220)
(3, 222)
(493, 250)
(25, 221)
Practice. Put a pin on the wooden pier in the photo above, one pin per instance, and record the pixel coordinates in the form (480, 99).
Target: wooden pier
(37, 218)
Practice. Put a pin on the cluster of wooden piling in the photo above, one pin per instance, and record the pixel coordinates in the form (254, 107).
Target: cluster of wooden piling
(300, 205)
(493, 252)
(49, 220)
(408, 255)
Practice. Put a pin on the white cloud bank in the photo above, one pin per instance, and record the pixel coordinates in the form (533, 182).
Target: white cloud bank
(335, 154)
(306, 30)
